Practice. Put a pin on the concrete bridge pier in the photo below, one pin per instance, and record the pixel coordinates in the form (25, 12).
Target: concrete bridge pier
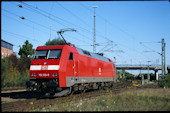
(156, 74)
(143, 82)
(123, 73)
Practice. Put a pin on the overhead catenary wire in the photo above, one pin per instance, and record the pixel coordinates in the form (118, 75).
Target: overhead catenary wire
(41, 14)
(74, 14)
(32, 7)
(44, 26)
(149, 48)
(25, 19)
(111, 24)
(27, 25)
(35, 10)
(80, 28)
(25, 37)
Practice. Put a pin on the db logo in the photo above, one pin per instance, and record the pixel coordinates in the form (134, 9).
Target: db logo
(44, 67)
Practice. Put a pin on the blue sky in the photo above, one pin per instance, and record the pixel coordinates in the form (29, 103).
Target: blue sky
(125, 23)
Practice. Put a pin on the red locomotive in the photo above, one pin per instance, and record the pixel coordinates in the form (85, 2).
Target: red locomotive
(63, 69)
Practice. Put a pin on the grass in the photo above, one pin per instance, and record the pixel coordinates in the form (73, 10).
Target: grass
(131, 100)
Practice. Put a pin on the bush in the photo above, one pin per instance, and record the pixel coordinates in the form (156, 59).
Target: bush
(14, 71)
(14, 81)
(165, 83)
(5, 65)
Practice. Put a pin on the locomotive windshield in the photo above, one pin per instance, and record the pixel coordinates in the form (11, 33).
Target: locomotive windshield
(47, 54)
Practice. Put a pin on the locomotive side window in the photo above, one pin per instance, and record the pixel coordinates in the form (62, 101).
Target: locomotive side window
(71, 56)
(109, 60)
(86, 52)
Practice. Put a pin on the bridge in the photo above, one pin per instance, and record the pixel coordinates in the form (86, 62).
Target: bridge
(138, 67)
(142, 67)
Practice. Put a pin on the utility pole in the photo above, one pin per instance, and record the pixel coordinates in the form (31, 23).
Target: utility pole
(163, 58)
(115, 68)
(94, 38)
(164, 68)
(148, 72)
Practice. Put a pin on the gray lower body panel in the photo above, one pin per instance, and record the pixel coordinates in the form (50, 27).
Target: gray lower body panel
(74, 80)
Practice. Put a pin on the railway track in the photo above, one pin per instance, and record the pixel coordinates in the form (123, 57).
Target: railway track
(31, 102)
(12, 89)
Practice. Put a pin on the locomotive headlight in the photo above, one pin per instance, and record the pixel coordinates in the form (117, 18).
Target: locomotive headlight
(35, 75)
(54, 74)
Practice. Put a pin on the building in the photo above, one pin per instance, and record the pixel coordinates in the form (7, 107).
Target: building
(6, 48)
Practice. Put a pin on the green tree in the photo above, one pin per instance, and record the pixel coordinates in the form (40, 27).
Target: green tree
(129, 75)
(55, 41)
(26, 50)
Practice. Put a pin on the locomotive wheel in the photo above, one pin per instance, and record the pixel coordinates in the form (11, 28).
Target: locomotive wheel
(100, 87)
(84, 90)
(105, 87)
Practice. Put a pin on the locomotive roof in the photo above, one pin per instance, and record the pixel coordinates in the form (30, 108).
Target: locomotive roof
(50, 47)
(80, 51)
(93, 55)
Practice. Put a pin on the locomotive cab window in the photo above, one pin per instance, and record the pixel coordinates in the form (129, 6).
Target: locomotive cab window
(54, 54)
(71, 56)
(47, 54)
(40, 54)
